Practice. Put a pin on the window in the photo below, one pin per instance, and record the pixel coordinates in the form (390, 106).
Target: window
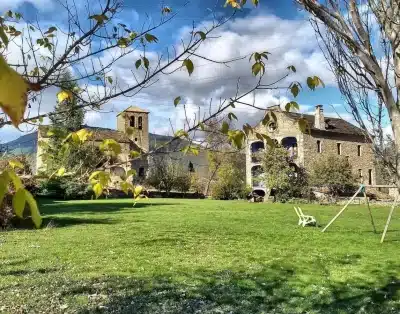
(358, 150)
(272, 127)
(319, 148)
(360, 173)
(191, 167)
(141, 172)
(370, 176)
(339, 148)
(135, 139)
(140, 123)
(132, 121)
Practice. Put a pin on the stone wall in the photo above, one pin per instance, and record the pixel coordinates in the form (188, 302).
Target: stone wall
(284, 128)
(349, 148)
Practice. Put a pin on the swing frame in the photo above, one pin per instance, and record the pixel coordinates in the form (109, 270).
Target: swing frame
(362, 189)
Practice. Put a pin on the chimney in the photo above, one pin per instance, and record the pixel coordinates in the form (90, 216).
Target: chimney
(319, 122)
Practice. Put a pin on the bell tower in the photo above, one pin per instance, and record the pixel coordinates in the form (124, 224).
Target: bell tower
(136, 120)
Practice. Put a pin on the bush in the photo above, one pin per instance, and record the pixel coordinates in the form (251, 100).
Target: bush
(333, 172)
(230, 183)
(67, 187)
(281, 176)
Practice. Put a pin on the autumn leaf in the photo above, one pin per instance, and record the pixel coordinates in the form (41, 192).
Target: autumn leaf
(13, 93)
(177, 100)
(64, 95)
(189, 66)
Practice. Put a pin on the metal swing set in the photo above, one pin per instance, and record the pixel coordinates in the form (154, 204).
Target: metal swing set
(362, 189)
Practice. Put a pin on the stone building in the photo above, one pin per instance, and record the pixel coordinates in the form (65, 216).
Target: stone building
(138, 138)
(328, 136)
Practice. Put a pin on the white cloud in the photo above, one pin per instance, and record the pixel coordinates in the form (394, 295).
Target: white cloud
(13, 4)
(290, 42)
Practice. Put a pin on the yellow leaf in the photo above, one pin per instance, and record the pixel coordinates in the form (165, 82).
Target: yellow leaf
(13, 92)
(61, 172)
(15, 179)
(131, 172)
(98, 189)
(18, 202)
(83, 135)
(35, 214)
(64, 95)
(15, 164)
(137, 191)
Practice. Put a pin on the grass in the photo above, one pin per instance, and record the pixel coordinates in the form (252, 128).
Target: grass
(199, 256)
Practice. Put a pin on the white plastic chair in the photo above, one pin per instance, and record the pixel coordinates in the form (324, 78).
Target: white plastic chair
(305, 220)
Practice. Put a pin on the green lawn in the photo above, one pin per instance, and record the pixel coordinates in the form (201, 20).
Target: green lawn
(199, 256)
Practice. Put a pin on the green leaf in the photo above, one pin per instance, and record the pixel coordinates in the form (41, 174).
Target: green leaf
(189, 66)
(110, 145)
(177, 100)
(225, 127)
(51, 30)
(255, 2)
(201, 34)
(110, 80)
(231, 116)
(310, 83)
(181, 133)
(15, 164)
(35, 214)
(304, 126)
(146, 62)
(202, 126)
(151, 38)
(257, 68)
(3, 36)
(4, 181)
(100, 18)
(166, 10)
(40, 119)
(294, 89)
(18, 202)
(82, 135)
(131, 172)
(134, 154)
(138, 63)
(266, 119)
(98, 189)
(291, 68)
(123, 42)
(95, 174)
(247, 129)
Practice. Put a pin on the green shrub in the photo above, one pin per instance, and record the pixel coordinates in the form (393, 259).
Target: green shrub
(66, 187)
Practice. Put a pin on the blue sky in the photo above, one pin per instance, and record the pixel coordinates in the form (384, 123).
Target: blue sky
(276, 26)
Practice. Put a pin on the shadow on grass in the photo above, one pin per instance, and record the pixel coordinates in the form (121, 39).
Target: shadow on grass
(275, 289)
(58, 207)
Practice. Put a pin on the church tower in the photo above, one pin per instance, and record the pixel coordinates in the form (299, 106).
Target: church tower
(137, 120)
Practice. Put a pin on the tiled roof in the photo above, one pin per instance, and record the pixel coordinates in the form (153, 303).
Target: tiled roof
(99, 134)
(334, 125)
(133, 109)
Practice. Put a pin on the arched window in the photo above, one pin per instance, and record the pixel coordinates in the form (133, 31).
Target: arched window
(132, 121)
(140, 123)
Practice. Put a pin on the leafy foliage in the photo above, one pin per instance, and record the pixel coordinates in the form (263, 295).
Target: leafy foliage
(333, 172)
(280, 175)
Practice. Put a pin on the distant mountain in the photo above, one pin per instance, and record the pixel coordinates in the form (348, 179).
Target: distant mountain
(26, 144)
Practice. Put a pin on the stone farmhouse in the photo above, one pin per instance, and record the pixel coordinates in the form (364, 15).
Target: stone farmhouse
(141, 140)
(328, 136)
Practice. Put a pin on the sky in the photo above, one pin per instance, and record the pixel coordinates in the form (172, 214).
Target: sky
(278, 27)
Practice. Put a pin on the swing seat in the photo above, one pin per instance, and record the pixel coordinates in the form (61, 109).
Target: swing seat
(305, 220)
